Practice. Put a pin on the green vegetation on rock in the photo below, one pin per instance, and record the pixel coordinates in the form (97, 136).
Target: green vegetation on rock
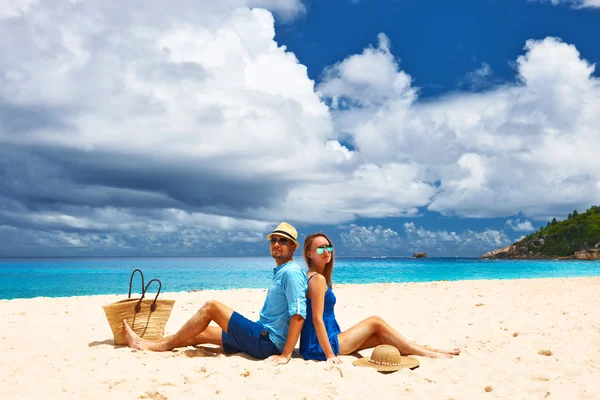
(564, 238)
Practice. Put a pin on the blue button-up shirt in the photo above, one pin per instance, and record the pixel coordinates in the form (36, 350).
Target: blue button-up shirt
(286, 297)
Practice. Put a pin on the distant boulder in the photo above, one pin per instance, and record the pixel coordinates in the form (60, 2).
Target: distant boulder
(590, 254)
(538, 242)
(420, 255)
(505, 252)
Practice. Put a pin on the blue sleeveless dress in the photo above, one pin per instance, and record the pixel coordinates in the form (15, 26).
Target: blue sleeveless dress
(310, 349)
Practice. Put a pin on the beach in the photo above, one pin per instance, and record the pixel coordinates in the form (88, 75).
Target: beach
(520, 339)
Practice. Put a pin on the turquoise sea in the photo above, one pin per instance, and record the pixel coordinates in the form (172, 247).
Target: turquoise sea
(63, 277)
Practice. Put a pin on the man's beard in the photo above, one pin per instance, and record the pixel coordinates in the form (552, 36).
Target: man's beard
(280, 256)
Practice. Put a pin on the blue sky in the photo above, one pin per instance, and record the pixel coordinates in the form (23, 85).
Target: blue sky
(195, 127)
(439, 42)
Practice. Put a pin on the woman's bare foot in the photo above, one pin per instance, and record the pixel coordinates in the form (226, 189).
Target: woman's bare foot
(434, 354)
(136, 342)
(453, 352)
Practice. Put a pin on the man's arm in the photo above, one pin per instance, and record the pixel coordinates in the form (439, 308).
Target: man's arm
(295, 292)
(294, 330)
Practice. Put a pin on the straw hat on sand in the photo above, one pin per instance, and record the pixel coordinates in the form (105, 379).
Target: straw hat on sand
(386, 358)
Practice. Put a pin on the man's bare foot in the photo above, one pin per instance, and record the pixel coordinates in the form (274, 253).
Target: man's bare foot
(133, 340)
(136, 342)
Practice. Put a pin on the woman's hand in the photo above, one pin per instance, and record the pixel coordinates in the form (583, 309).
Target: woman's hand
(335, 362)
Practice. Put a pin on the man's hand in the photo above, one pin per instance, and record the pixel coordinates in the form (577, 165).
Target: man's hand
(293, 334)
(277, 360)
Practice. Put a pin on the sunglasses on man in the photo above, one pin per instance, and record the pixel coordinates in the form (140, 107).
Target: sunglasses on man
(282, 241)
(321, 249)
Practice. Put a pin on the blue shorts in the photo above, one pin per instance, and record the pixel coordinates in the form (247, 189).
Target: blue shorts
(245, 336)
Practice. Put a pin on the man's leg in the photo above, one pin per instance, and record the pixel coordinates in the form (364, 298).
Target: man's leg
(191, 330)
(211, 335)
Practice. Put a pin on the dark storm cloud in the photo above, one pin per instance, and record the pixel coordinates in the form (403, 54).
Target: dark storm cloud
(52, 179)
(38, 182)
(193, 185)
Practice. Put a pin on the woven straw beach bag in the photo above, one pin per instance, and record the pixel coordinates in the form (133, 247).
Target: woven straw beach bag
(146, 317)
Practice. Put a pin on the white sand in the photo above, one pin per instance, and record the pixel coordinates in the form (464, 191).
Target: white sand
(62, 348)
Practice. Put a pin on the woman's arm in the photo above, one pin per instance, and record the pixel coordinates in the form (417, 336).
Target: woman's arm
(317, 287)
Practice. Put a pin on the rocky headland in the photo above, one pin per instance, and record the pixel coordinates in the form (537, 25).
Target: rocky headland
(575, 238)
(516, 252)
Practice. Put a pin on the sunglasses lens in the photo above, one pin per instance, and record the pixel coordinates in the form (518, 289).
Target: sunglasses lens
(282, 241)
(321, 249)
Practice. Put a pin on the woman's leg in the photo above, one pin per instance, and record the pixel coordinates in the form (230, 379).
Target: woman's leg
(374, 331)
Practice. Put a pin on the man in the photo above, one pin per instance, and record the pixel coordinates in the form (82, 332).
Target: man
(272, 337)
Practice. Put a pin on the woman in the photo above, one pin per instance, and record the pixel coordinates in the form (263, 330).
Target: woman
(322, 338)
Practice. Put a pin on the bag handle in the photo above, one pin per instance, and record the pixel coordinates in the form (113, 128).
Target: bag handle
(131, 281)
(138, 306)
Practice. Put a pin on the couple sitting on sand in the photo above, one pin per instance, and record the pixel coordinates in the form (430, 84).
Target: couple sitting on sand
(298, 304)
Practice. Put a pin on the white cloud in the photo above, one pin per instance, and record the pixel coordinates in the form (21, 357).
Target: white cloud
(489, 237)
(519, 226)
(192, 109)
(123, 220)
(206, 96)
(123, 231)
(13, 8)
(526, 148)
(484, 71)
(371, 191)
(447, 241)
(184, 84)
(371, 240)
(367, 79)
(159, 109)
(575, 3)
(478, 79)
(286, 9)
(377, 240)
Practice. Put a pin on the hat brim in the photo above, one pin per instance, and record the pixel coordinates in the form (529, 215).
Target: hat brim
(407, 362)
(287, 237)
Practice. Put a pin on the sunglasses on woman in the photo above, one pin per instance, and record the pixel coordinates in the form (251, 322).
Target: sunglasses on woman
(321, 249)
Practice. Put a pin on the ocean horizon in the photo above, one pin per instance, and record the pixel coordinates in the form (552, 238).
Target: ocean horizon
(84, 276)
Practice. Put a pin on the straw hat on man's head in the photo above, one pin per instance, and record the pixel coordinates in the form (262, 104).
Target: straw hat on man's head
(386, 358)
(285, 230)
